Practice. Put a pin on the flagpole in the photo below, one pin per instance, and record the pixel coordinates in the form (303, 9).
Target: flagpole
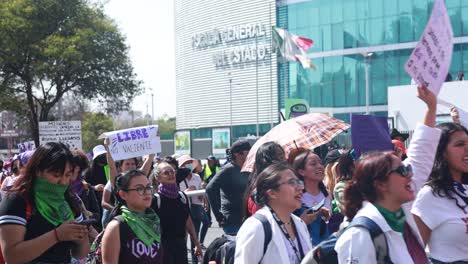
(285, 67)
(271, 72)
(256, 79)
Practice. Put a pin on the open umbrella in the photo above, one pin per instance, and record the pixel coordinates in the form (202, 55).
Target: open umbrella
(307, 131)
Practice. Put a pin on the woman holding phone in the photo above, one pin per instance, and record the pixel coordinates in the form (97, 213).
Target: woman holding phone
(39, 215)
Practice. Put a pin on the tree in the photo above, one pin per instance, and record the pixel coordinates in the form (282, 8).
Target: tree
(167, 126)
(94, 124)
(49, 48)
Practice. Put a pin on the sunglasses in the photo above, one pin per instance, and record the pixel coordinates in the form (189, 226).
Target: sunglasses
(142, 190)
(403, 170)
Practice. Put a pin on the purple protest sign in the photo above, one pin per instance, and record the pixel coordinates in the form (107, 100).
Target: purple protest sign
(430, 60)
(370, 133)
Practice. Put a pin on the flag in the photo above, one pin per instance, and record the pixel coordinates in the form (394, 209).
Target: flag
(292, 47)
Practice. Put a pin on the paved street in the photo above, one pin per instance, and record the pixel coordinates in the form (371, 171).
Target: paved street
(213, 232)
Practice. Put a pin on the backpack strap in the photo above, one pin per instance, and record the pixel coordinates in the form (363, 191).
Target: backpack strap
(267, 229)
(185, 199)
(378, 238)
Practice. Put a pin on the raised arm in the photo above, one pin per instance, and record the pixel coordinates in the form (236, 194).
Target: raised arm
(111, 163)
(148, 162)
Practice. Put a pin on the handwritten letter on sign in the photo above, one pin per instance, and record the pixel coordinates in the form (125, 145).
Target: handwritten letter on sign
(430, 60)
(133, 142)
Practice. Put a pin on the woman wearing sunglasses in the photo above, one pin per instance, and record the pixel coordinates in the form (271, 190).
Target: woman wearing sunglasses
(440, 209)
(382, 189)
(279, 191)
(134, 234)
(174, 212)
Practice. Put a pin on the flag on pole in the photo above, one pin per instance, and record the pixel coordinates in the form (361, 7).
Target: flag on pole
(292, 47)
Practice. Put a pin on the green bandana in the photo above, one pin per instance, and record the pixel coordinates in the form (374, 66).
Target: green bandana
(107, 172)
(145, 226)
(51, 203)
(396, 220)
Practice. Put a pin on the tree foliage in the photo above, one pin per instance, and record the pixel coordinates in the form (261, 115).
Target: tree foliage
(49, 48)
(94, 124)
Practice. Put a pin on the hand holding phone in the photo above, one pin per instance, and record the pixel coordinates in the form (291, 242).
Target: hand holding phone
(316, 207)
(88, 222)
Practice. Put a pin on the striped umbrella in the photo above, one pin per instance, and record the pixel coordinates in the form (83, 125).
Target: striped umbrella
(307, 131)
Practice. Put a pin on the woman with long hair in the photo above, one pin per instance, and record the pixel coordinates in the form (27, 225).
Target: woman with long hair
(279, 191)
(171, 205)
(134, 233)
(345, 172)
(309, 168)
(39, 219)
(266, 154)
(440, 209)
(382, 189)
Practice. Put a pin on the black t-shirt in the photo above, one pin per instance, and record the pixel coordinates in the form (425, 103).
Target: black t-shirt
(13, 212)
(173, 215)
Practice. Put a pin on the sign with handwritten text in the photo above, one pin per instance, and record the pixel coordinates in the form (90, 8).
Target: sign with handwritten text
(67, 132)
(429, 62)
(133, 142)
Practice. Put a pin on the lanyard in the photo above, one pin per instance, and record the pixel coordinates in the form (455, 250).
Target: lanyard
(288, 237)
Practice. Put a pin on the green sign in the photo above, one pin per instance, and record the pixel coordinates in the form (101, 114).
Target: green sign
(296, 107)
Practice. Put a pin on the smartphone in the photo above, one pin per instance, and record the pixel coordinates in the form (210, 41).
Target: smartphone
(316, 207)
(88, 222)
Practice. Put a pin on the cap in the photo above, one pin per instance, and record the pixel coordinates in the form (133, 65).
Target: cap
(184, 159)
(98, 150)
(211, 157)
(395, 133)
(240, 145)
(332, 156)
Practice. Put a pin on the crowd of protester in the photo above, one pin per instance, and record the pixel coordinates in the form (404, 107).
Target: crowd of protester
(59, 206)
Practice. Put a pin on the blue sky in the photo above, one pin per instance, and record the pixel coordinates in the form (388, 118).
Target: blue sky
(149, 28)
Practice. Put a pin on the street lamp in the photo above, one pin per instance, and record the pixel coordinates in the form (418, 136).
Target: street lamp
(367, 58)
(230, 101)
(152, 107)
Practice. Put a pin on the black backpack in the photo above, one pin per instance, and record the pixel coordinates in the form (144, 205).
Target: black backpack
(324, 252)
(223, 249)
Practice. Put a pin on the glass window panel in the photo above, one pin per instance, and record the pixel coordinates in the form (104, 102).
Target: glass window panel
(350, 34)
(361, 91)
(349, 10)
(313, 16)
(315, 96)
(455, 19)
(420, 18)
(352, 95)
(391, 65)
(340, 93)
(327, 94)
(349, 63)
(452, 3)
(292, 74)
(326, 37)
(456, 63)
(316, 76)
(403, 56)
(465, 58)
(376, 66)
(391, 29)
(464, 21)
(376, 31)
(362, 9)
(303, 16)
(378, 92)
(337, 36)
(363, 33)
(316, 35)
(390, 8)
(405, 6)
(406, 29)
(336, 11)
(325, 14)
(327, 69)
(376, 8)
(337, 67)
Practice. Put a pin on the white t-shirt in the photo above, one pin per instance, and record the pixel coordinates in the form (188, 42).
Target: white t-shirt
(108, 186)
(449, 224)
(310, 200)
(196, 182)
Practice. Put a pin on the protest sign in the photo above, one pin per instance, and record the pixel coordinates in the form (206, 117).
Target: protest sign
(430, 60)
(370, 133)
(25, 146)
(67, 132)
(462, 115)
(133, 142)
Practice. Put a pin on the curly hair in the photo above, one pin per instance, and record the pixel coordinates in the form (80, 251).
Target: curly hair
(440, 179)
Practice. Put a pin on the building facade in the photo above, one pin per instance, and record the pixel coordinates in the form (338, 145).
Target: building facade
(228, 77)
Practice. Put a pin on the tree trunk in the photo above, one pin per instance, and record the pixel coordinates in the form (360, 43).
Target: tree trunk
(32, 116)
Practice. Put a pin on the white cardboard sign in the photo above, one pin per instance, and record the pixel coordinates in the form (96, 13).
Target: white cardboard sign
(67, 132)
(430, 60)
(133, 142)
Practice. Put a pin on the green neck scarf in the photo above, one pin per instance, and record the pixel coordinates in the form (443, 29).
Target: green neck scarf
(50, 201)
(145, 226)
(396, 220)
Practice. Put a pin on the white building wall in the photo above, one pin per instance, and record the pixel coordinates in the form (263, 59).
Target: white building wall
(203, 94)
(407, 110)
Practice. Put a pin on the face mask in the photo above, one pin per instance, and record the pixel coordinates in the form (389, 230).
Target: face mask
(189, 166)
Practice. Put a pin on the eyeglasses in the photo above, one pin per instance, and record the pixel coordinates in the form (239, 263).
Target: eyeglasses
(168, 172)
(403, 170)
(296, 183)
(142, 190)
